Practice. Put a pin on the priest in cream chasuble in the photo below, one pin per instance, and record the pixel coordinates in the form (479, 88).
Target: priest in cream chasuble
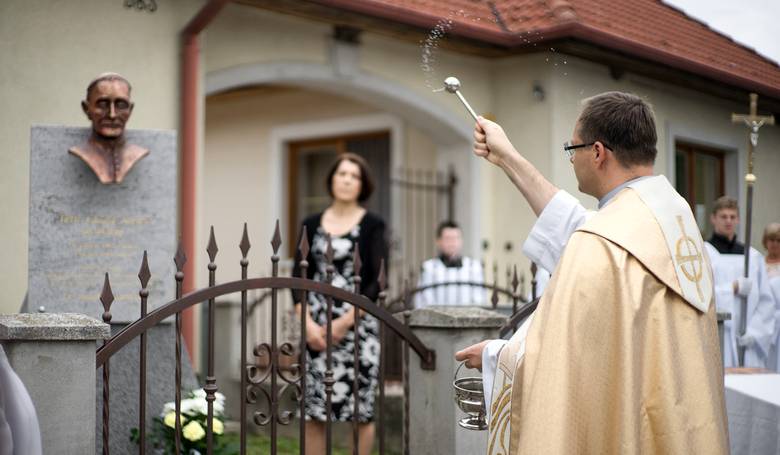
(621, 355)
(625, 337)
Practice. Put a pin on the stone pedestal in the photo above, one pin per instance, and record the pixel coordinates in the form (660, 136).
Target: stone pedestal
(433, 413)
(54, 356)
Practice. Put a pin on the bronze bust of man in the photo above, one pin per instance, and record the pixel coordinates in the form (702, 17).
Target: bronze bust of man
(108, 107)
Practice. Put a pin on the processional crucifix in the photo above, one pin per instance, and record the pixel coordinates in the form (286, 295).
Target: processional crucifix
(754, 122)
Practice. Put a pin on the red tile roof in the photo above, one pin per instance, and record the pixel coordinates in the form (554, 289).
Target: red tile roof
(649, 29)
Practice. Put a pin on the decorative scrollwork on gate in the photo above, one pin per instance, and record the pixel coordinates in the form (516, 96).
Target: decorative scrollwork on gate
(265, 379)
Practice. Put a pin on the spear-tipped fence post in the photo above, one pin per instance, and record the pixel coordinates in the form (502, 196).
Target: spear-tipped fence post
(244, 246)
(180, 259)
(303, 248)
(276, 242)
(143, 275)
(357, 266)
(329, 381)
(106, 298)
(211, 381)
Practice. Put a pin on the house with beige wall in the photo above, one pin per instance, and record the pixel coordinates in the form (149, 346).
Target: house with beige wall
(277, 79)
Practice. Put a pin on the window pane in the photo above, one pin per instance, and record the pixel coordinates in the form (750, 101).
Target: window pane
(681, 170)
(707, 188)
(699, 179)
(313, 165)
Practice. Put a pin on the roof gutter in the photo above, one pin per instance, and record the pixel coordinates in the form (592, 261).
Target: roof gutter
(571, 29)
(604, 39)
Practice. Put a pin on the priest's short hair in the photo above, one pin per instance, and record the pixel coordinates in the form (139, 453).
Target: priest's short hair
(624, 123)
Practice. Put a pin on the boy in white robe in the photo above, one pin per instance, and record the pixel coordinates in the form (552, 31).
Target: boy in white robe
(727, 256)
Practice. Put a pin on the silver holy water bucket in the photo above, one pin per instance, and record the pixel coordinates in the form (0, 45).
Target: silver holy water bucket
(470, 399)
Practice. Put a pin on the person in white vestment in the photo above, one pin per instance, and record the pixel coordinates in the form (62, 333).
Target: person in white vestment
(727, 256)
(771, 242)
(19, 430)
(450, 266)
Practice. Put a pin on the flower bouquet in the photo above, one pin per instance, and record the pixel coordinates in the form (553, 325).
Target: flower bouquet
(194, 412)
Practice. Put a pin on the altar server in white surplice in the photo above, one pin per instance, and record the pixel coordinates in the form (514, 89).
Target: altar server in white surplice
(727, 256)
(450, 266)
(621, 355)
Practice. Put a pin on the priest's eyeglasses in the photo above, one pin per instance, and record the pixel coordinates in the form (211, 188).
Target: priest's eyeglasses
(568, 148)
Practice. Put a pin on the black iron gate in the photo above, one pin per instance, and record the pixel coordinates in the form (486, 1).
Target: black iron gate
(268, 384)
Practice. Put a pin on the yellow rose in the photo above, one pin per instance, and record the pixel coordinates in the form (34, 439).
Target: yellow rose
(170, 419)
(193, 431)
(217, 426)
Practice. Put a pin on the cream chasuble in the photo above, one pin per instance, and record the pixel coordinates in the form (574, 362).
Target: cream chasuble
(622, 354)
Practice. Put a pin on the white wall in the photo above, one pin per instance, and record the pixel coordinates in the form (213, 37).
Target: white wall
(50, 50)
(247, 46)
(528, 122)
(244, 174)
(245, 158)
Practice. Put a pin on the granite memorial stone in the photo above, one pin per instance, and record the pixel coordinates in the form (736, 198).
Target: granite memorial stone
(80, 228)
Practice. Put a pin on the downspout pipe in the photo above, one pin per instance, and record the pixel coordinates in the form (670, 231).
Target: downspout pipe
(190, 72)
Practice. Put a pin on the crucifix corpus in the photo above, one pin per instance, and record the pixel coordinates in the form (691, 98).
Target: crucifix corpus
(754, 122)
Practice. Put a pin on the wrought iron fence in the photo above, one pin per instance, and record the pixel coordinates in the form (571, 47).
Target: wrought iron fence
(254, 379)
(513, 291)
(522, 304)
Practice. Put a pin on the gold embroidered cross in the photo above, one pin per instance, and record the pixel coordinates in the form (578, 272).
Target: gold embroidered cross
(691, 256)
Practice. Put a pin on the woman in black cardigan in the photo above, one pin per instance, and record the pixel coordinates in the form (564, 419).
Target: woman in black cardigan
(347, 224)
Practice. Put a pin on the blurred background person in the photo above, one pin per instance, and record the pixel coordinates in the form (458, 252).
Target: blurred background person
(727, 256)
(450, 266)
(348, 225)
(771, 242)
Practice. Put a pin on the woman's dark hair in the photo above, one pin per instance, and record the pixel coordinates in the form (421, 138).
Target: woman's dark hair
(366, 180)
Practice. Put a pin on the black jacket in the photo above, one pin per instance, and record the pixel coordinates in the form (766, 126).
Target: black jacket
(373, 248)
